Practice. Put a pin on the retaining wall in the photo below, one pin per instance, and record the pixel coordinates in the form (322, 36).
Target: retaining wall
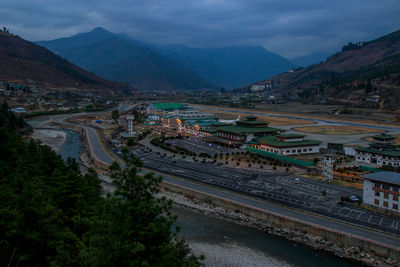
(338, 237)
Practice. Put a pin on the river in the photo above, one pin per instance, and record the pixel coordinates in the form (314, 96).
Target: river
(222, 242)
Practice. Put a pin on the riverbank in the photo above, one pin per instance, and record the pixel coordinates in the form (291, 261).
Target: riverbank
(53, 138)
(317, 243)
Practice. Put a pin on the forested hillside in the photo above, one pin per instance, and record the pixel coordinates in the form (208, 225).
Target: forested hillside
(53, 215)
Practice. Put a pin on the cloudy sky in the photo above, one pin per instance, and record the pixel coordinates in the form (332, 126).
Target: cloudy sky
(289, 27)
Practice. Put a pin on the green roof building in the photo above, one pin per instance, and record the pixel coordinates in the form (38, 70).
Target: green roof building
(244, 131)
(381, 152)
(285, 144)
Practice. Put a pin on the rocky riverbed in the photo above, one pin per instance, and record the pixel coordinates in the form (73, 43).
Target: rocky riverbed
(354, 254)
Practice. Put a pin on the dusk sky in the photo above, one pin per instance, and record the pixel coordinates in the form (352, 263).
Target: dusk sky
(289, 27)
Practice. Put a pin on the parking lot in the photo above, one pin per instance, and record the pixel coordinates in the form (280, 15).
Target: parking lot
(364, 216)
(286, 189)
(199, 146)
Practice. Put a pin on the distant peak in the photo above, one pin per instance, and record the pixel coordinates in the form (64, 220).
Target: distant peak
(100, 29)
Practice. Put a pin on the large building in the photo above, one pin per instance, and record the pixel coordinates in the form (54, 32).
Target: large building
(244, 131)
(165, 109)
(382, 189)
(286, 144)
(381, 152)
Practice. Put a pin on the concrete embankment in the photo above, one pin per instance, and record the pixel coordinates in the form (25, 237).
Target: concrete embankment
(316, 236)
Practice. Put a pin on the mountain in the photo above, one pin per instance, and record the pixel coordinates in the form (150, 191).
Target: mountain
(362, 74)
(22, 60)
(229, 67)
(121, 58)
(187, 67)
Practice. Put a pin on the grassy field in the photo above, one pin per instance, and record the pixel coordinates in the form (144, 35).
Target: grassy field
(273, 121)
(337, 130)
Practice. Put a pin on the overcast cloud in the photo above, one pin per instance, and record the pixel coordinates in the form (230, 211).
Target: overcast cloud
(288, 27)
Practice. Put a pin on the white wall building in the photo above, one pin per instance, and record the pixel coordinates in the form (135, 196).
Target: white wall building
(381, 152)
(382, 189)
(286, 144)
(131, 121)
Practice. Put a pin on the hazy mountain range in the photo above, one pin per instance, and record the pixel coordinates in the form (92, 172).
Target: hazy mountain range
(151, 67)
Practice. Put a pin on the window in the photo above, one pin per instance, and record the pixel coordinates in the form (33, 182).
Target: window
(385, 195)
(395, 197)
(376, 201)
(395, 206)
(385, 204)
(377, 194)
(310, 149)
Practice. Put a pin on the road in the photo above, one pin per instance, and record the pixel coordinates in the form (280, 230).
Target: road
(102, 155)
(294, 213)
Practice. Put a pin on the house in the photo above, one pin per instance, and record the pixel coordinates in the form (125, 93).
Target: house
(382, 189)
(381, 152)
(244, 131)
(285, 144)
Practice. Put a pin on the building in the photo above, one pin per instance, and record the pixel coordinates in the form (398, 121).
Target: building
(165, 109)
(19, 110)
(382, 189)
(188, 125)
(285, 144)
(244, 131)
(131, 122)
(381, 152)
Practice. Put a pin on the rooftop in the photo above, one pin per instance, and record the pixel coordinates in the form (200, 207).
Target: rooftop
(290, 136)
(170, 105)
(241, 129)
(383, 136)
(385, 177)
(393, 153)
(273, 141)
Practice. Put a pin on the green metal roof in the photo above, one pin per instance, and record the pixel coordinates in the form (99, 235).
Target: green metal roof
(392, 153)
(241, 129)
(383, 136)
(279, 157)
(292, 135)
(273, 141)
(171, 105)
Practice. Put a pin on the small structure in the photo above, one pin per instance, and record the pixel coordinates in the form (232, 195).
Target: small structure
(382, 189)
(286, 144)
(131, 122)
(328, 166)
(381, 152)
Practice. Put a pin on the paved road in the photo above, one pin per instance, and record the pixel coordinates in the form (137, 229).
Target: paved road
(347, 228)
(102, 155)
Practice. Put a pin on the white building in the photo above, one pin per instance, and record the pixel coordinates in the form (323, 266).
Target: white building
(286, 144)
(381, 152)
(131, 122)
(382, 189)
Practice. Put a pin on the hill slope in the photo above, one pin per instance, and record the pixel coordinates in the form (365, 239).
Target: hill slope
(115, 57)
(22, 60)
(362, 74)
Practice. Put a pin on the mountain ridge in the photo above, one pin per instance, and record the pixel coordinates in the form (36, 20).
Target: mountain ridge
(227, 66)
(24, 60)
(359, 73)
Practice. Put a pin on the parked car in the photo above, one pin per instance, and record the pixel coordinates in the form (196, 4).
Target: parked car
(352, 199)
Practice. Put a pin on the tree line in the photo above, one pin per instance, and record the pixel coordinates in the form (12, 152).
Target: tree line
(51, 214)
